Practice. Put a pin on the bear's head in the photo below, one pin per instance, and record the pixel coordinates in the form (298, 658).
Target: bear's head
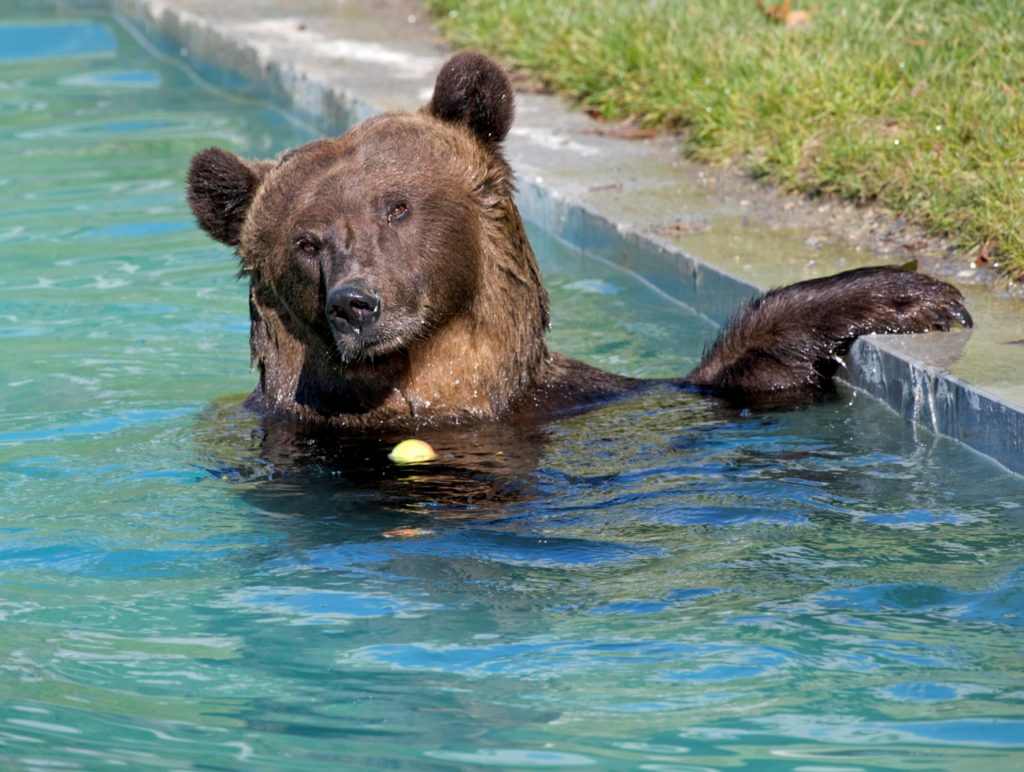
(391, 277)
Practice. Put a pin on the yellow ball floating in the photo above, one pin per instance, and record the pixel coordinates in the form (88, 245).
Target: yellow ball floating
(412, 452)
(408, 533)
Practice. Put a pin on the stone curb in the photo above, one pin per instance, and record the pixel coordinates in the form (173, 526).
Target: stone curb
(333, 96)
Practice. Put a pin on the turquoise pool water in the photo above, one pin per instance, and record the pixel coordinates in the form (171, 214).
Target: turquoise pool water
(651, 586)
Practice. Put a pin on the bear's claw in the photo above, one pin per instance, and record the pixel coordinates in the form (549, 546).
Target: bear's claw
(917, 302)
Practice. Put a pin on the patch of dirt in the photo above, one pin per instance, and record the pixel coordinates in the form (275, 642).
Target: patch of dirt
(830, 220)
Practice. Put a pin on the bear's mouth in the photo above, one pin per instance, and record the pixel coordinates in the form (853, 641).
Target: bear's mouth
(367, 345)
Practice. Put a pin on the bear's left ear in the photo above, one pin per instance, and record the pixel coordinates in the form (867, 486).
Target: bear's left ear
(474, 90)
(221, 188)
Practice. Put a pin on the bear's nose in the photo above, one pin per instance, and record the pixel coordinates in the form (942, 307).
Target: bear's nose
(353, 306)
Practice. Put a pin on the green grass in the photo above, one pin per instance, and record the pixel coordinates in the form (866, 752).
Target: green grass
(915, 104)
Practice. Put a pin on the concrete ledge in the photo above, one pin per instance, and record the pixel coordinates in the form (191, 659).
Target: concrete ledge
(684, 277)
(198, 41)
(931, 397)
(559, 168)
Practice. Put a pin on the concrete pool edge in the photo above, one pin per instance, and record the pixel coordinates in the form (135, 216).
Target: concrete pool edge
(333, 94)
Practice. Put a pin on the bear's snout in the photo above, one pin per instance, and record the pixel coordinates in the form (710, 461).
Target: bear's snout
(353, 307)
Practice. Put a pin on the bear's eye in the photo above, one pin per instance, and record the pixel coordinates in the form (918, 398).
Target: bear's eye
(397, 212)
(307, 247)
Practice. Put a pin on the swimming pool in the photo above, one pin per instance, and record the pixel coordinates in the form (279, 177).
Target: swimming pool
(652, 585)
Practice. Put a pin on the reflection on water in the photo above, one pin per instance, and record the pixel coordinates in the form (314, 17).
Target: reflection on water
(21, 41)
(653, 585)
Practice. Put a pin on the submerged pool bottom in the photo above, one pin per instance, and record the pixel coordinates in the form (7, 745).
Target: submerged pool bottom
(653, 585)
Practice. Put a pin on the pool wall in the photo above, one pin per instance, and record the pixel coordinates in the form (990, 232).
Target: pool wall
(336, 70)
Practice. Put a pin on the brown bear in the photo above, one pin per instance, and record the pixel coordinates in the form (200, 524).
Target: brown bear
(392, 284)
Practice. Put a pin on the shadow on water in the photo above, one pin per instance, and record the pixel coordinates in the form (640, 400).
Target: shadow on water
(483, 473)
(622, 482)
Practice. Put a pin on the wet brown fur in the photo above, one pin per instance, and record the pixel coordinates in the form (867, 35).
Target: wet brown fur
(461, 333)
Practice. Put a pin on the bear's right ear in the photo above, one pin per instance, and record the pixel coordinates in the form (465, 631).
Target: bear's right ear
(474, 90)
(221, 187)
